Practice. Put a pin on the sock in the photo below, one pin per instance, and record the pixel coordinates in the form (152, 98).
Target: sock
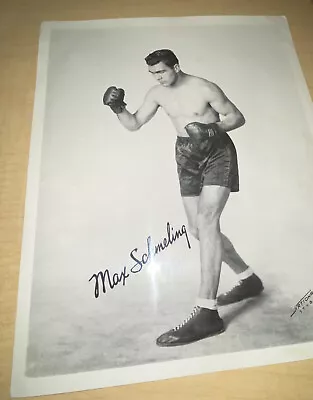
(207, 303)
(245, 274)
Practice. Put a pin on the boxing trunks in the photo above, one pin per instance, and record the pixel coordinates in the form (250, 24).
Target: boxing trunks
(210, 161)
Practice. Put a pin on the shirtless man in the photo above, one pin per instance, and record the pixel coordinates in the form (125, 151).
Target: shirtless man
(207, 170)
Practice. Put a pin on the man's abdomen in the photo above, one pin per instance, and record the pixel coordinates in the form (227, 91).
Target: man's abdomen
(181, 121)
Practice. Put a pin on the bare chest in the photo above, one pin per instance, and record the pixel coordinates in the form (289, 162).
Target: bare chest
(183, 103)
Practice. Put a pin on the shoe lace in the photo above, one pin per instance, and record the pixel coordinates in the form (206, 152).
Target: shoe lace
(192, 314)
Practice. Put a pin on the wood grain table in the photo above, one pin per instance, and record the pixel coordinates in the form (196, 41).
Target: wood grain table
(19, 31)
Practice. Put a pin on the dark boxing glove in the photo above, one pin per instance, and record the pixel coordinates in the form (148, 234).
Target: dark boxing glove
(114, 98)
(199, 132)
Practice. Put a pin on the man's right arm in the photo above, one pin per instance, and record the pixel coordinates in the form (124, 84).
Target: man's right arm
(133, 122)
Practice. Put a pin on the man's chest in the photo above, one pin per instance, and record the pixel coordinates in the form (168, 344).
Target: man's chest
(183, 103)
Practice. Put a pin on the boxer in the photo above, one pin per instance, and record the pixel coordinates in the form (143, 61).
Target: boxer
(208, 172)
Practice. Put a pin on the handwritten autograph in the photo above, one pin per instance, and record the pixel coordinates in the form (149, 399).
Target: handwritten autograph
(302, 303)
(104, 280)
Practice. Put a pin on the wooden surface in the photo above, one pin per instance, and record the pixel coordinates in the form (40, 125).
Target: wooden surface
(19, 30)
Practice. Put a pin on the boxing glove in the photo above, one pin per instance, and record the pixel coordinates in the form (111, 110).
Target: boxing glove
(199, 132)
(114, 98)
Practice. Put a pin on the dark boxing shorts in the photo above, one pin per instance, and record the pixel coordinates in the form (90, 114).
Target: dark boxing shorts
(212, 161)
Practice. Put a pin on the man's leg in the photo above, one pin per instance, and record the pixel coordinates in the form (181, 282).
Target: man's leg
(249, 284)
(229, 255)
(212, 201)
(204, 321)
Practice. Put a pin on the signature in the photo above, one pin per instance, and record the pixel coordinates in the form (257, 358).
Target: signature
(302, 303)
(104, 280)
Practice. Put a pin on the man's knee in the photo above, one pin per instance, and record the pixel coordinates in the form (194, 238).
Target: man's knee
(208, 217)
(193, 231)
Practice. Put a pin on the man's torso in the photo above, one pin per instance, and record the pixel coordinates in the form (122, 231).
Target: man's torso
(186, 103)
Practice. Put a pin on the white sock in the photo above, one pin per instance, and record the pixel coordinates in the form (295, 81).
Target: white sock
(207, 303)
(245, 274)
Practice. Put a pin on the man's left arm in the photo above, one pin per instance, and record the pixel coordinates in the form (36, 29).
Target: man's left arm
(233, 118)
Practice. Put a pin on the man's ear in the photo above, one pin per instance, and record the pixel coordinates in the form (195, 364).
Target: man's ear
(176, 68)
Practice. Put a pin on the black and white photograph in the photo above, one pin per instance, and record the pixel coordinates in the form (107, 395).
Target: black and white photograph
(168, 221)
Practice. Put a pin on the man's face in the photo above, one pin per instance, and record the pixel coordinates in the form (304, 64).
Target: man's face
(165, 75)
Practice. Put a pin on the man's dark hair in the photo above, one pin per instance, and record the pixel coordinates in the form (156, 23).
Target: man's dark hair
(165, 55)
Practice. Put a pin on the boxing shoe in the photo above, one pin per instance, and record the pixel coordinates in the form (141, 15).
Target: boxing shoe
(200, 324)
(245, 289)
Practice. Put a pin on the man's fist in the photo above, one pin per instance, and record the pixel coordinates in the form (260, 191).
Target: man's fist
(198, 131)
(114, 98)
